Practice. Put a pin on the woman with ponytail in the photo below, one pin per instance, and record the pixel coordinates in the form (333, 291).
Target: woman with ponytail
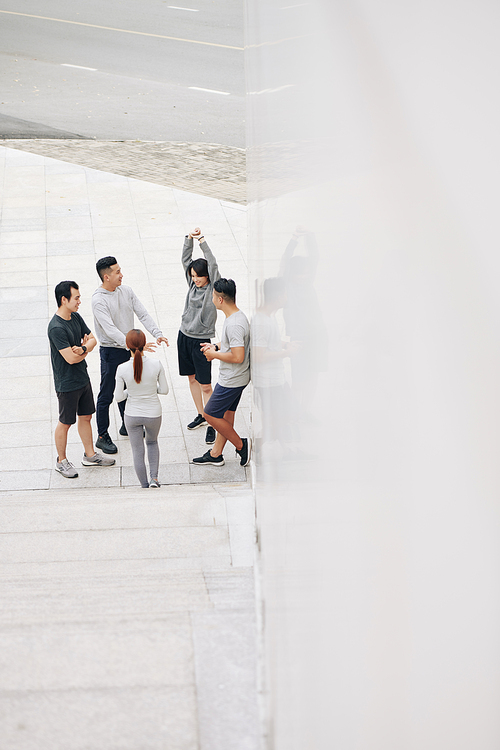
(140, 380)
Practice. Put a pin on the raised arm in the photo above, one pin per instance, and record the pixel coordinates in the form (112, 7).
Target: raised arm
(213, 268)
(187, 255)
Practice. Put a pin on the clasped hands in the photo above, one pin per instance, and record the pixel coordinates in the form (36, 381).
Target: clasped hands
(208, 350)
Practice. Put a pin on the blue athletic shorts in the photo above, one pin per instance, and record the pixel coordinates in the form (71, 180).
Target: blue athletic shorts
(222, 400)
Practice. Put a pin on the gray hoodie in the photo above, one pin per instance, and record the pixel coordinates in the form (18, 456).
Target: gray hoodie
(199, 316)
(114, 316)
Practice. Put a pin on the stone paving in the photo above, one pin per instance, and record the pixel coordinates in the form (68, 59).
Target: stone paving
(204, 168)
(57, 220)
(127, 615)
(128, 619)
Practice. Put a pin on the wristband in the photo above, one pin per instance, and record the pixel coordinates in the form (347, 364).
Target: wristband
(84, 349)
(216, 348)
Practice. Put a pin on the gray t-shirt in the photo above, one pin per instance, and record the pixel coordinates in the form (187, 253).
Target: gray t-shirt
(235, 332)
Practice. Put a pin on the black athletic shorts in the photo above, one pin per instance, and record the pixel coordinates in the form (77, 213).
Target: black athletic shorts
(192, 361)
(79, 402)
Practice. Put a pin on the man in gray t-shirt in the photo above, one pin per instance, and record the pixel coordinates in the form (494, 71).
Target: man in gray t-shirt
(235, 333)
(234, 375)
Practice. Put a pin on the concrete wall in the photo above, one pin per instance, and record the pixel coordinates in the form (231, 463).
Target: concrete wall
(373, 136)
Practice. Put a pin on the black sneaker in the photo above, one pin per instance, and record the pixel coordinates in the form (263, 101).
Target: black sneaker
(105, 444)
(245, 452)
(210, 436)
(207, 458)
(198, 421)
(123, 430)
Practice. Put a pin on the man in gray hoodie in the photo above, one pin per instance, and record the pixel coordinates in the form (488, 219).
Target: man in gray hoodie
(114, 306)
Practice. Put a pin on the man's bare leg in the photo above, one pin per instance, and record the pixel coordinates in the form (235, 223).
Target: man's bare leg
(196, 393)
(220, 440)
(225, 432)
(85, 432)
(61, 439)
(206, 392)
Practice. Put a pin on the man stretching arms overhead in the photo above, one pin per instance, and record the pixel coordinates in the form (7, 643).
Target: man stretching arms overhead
(234, 375)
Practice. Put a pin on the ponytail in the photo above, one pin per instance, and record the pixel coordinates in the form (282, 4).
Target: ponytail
(136, 341)
(138, 365)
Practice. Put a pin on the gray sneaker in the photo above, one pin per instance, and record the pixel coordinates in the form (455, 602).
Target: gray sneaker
(66, 468)
(154, 483)
(98, 459)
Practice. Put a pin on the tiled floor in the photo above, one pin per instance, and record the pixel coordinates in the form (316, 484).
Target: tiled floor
(127, 616)
(57, 219)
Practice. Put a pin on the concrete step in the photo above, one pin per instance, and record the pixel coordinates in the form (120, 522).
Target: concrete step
(75, 597)
(120, 476)
(115, 509)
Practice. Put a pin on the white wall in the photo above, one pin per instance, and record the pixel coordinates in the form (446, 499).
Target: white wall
(375, 125)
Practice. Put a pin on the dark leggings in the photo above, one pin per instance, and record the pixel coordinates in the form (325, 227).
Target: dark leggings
(134, 427)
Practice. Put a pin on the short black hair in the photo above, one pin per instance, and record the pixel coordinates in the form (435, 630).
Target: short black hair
(63, 289)
(226, 288)
(104, 264)
(200, 267)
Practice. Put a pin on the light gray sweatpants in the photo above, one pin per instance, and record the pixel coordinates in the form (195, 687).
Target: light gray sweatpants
(134, 427)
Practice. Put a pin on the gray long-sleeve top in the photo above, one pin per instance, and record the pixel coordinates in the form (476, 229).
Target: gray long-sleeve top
(114, 316)
(199, 316)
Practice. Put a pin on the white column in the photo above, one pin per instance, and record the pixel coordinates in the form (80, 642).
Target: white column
(374, 126)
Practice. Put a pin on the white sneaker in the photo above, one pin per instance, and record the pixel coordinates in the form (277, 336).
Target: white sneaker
(154, 483)
(66, 468)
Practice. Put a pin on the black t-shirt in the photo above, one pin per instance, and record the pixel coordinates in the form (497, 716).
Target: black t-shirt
(63, 333)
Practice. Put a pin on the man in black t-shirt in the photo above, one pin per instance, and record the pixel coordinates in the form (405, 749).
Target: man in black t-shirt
(70, 342)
